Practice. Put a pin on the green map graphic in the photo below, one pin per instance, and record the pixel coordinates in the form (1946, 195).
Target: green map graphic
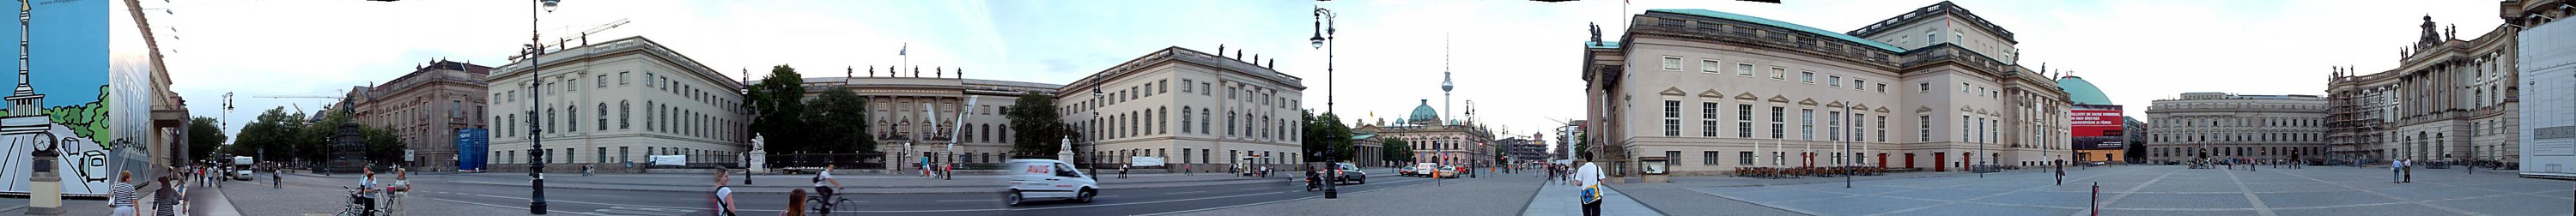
(88, 120)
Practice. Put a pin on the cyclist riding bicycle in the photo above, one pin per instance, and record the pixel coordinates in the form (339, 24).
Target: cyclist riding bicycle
(825, 176)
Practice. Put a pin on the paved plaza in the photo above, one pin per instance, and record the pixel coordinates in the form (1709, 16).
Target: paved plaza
(2151, 190)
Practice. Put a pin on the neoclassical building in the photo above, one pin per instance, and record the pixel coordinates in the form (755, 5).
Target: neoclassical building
(1434, 140)
(907, 132)
(614, 102)
(2448, 99)
(1189, 107)
(426, 108)
(1935, 88)
(2231, 126)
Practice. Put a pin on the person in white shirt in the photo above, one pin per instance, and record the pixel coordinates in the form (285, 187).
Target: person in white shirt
(823, 177)
(723, 195)
(1589, 176)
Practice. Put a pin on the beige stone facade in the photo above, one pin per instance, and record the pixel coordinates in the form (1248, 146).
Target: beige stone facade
(2448, 99)
(907, 132)
(615, 102)
(425, 108)
(1446, 144)
(2229, 126)
(1189, 107)
(1756, 92)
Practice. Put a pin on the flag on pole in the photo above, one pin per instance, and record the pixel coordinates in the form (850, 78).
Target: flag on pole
(906, 50)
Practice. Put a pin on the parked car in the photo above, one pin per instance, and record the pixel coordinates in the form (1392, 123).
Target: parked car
(1348, 173)
(1035, 179)
(1448, 171)
(1404, 171)
(1426, 169)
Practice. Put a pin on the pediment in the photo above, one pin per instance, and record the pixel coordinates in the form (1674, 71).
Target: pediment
(1807, 102)
(1836, 104)
(1882, 110)
(1860, 106)
(1747, 96)
(1712, 94)
(1922, 109)
(1779, 99)
(1670, 91)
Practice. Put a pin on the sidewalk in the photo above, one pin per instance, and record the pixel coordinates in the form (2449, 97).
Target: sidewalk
(1562, 199)
(857, 184)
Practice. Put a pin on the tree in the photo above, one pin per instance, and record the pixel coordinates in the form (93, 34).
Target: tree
(275, 133)
(204, 137)
(779, 103)
(1582, 146)
(838, 123)
(382, 146)
(1325, 133)
(1037, 129)
(1396, 150)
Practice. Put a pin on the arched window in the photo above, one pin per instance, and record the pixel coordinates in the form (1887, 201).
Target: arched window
(603, 115)
(648, 116)
(1185, 118)
(623, 114)
(572, 118)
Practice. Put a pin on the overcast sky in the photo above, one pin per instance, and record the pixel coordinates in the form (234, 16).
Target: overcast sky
(1518, 59)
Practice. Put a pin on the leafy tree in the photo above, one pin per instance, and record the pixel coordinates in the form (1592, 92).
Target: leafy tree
(1037, 129)
(1396, 150)
(1325, 133)
(1582, 146)
(275, 132)
(779, 103)
(382, 146)
(204, 137)
(838, 123)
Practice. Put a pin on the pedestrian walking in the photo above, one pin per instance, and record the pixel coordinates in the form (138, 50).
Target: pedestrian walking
(1589, 177)
(723, 196)
(122, 195)
(1122, 171)
(164, 199)
(2409, 170)
(795, 203)
(585, 170)
(2394, 175)
(275, 177)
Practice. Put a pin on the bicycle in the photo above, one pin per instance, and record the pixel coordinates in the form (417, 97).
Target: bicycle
(824, 207)
(355, 208)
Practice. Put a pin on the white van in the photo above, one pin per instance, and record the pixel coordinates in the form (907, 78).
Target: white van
(1033, 179)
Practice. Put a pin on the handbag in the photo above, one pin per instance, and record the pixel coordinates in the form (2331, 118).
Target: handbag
(1592, 194)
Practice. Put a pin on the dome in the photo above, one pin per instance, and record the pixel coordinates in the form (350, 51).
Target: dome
(2082, 92)
(1423, 113)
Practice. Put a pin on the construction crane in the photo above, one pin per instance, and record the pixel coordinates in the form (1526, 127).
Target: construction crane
(583, 36)
(299, 108)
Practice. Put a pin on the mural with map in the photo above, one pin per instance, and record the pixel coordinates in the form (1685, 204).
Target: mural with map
(60, 100)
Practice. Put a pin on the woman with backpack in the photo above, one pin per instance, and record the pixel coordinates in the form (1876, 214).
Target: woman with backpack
(723, 196)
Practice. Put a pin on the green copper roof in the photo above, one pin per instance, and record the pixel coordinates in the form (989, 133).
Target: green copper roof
(1792, 26)
(1601, 45)
(2082, 92)
(1424, 112)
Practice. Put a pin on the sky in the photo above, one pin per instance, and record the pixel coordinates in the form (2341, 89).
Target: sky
(1520, 59)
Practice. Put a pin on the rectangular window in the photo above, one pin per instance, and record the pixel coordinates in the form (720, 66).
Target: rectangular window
(1185, 89)
(1882, 128)
(1926, 87)
(1834, 125)
(1673, 63)
(1807, 76)
(1709, 156)
(603, 81)
(1709, 66)
(1882, 88)
(1744, 121)
(1744, 158)
(621, 78)
(1708, 119)
(1834, 80)
(1778, 125)
(1807, 124)
(1778, 73)
(1964, 129)
(1925, 135)
(1674, 156)
(1744, 69)
(1672, 117)
(1857, 84)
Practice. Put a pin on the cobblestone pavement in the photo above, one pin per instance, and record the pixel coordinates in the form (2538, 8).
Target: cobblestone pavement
(1505, 194)
(2167, 190)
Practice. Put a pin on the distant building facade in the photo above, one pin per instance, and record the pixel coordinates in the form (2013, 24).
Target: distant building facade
(907, 133)
(1439, 141)
(1196, 107)
(2448, 99)
(2230, 126)
(1936, 88)
(426, 108)
(615, 102)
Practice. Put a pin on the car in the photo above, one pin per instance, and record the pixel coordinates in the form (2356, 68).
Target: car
(1348, 173)
(1404, 171)
(241, 174)
(1047, 179)
(1426, 169)
(1447, 172)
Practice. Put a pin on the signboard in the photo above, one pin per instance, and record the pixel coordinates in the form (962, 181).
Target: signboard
(472, 147)
(2096, 126)
(62, 106)
(673, 160)
(1145, 161)
(2548, 70)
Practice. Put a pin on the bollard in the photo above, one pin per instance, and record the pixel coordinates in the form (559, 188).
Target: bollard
(2096, 205)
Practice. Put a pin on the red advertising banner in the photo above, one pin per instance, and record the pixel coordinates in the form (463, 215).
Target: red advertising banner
(2096, 122)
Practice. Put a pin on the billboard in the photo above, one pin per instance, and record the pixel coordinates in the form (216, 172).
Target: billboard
(61, 102)
(2548, 65)
(2096, 127)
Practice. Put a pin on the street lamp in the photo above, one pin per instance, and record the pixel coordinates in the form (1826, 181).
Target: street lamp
(1095, 138)
(536, 162)
(1321, 40)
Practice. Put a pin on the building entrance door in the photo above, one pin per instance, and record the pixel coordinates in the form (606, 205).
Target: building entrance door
(1940, 162)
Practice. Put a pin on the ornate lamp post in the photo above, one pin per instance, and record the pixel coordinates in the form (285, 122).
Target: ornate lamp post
(1095, 138)
(536, 149)
(1322, 40)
